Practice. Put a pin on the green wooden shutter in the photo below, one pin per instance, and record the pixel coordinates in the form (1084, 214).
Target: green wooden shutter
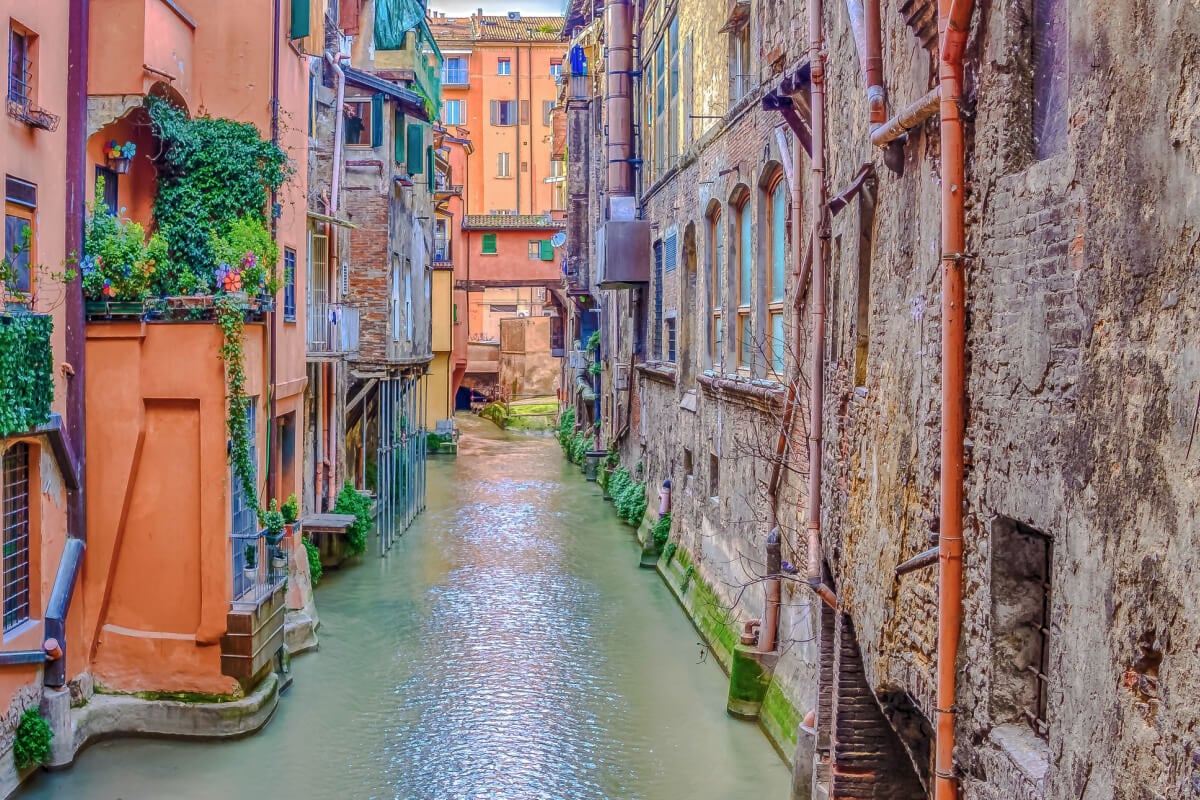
(547, 250)
(429, 167)
(301, 26)
(376, 120)
(398, 139)
(489, 244)
(416, 147)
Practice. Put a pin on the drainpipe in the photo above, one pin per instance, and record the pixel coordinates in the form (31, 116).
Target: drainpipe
(55, 673)
(273, 318)
(954, 17)
(517, 166)
(619, 103)
(338, 135)
(816, 295)
(865, 21)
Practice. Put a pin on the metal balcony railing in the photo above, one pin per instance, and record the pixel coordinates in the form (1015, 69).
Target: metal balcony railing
(458, 76)
(332, 328)
(260, 565)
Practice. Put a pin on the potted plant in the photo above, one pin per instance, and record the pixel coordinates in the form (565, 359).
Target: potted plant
(119, 156)
(119, 264)
(273, 521)
(291, 513)
(250, 570)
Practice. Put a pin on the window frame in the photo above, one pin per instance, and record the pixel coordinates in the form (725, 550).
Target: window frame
(716, 278)
(451, 76)
(484, 240)
(289, 284)
(18, 90)
(556, 68)
(504, 66)
(14, 292)
(504, 165)
(459, 118)
(778, 208)
(367, 121)
(23, 520)
(744, 287)
(534, 250)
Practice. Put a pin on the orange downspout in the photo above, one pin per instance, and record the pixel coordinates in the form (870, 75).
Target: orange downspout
(954, 18)
(817, 293)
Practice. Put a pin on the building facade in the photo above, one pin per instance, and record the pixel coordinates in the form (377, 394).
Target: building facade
(886, 253)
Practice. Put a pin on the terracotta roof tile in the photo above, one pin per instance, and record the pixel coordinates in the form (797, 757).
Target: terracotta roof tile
(512, 222)
(525, 29)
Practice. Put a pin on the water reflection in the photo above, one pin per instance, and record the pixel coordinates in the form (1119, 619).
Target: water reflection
(507, 648)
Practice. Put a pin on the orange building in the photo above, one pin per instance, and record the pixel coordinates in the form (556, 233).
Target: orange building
(499, 86)
(39, 478)
(156, 619)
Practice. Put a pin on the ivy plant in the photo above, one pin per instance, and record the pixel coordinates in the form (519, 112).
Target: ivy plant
(315, 570)
(32, 743)
(231, 316)
(26, 371)
(352, 501)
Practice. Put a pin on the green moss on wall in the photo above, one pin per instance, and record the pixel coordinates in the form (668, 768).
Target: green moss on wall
(780, 719)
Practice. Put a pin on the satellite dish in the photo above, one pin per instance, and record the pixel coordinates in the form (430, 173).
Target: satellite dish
(558, 239)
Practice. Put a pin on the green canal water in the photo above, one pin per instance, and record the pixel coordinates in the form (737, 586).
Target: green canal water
(508, 647)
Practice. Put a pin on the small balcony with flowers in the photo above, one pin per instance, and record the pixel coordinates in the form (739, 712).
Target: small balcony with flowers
(180, 274)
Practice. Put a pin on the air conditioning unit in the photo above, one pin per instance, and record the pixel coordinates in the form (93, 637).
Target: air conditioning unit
(513, 16)
(578, 359)
(621, 377)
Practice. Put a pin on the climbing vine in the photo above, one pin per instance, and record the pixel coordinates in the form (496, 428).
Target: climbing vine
(231, 316)
(351, 501)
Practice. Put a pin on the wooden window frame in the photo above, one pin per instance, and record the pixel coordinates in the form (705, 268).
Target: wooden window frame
(777, 198)
(716, 280)
(368, 122)
(26, 522)
(21, 211)
(745, 294)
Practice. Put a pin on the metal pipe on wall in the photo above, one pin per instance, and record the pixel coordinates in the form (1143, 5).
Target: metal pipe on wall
(619, 97)
(954, 17)
(273, 317)
(817, 294)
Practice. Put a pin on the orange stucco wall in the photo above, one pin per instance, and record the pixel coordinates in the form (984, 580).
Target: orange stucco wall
(35, 156)
(159, 559)
(157, 583)
(511, 261)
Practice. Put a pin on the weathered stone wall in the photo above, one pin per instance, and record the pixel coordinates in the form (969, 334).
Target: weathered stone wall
(1082, 387)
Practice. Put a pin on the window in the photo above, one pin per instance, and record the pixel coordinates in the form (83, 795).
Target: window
(20, 211)
(671, 339)
(1021, 621)
(656, 335)
(300, 23)
(777, 273)
(535, 250)
(687, 462)
(289, 284)
(452, 112)
(524, 166)
(716, 284)
(1049, 78)
(660, 106)
(111, 184)
(415, 156)
(745, 288)
(503, 167)
(558, 169)
(20, 67)
(441, 240)
(395, 299)
(556, 68)
(358, 123)
(504, 112)
(489, 244)
(454, 72)
(672, 129)
(408, 315)
(714, 476)
(503, 66)
(739, 63)
(547, 112)
(671, 251)
(245, 509)
(16, 497)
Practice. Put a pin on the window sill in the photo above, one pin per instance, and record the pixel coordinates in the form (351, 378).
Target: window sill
(660, 371)
(759, 393)
(23, 633)
(1022, 760)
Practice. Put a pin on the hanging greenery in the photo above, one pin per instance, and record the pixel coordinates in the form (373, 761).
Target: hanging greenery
(231, 316)
(212, 175)
(662, 531)
(351, 501)
(32, 743)
(315, 570)
(26, 371)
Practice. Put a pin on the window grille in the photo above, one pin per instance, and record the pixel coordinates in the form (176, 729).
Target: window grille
(16, 535)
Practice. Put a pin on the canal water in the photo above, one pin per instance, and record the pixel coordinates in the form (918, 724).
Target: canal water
(508, 647)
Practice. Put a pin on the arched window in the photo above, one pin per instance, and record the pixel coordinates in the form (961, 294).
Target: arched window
(745, 286)
(716, 286)
(777, 214)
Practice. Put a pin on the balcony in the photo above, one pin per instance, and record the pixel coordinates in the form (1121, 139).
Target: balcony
(456, 76)
(254, 624)
(332, 329)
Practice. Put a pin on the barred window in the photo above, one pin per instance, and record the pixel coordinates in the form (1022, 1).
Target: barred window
(15, 494)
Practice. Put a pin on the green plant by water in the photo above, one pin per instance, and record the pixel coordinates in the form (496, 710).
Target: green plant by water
(351, 501)
(315, 570)
(662, 531)
(32, 743)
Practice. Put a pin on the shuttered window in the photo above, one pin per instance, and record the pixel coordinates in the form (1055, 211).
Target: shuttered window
(398, 145)
(416, 150)
(504, 112)
(376, 120)
(489, 244)
(300, 26)
(547, 248)
(671, 258)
